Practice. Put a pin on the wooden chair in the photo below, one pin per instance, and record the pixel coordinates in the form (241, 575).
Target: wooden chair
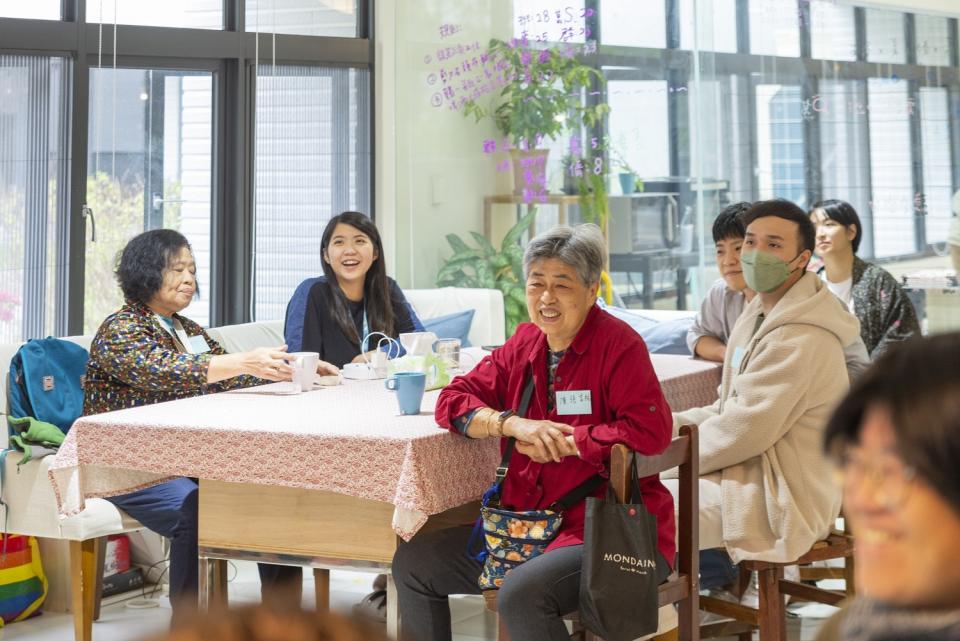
(771, 616)
(682, 587)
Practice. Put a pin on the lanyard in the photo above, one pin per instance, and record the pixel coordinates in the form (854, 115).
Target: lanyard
(175, 328)
(366, 332)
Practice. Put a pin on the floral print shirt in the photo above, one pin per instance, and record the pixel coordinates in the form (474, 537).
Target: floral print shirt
(885, 312)
(135, 361)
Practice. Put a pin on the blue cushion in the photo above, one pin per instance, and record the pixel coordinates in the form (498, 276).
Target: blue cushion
(455, 325)
(633, 319)
(666, 337)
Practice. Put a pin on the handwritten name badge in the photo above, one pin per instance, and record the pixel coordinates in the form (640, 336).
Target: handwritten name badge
(198, 344)
(572, 402)
(738, 354)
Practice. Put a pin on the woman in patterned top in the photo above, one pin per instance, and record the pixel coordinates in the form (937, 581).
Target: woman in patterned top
(886, 314)
(147, 353)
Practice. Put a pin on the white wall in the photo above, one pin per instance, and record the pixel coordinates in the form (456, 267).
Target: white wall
(431, 171)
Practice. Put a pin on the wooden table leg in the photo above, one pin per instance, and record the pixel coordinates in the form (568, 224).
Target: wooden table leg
(393, 609)
(321, 584)
(83, 564)
(98, 577)
(213, 583)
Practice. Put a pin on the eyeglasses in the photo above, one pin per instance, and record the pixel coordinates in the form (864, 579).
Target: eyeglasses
(888, 478)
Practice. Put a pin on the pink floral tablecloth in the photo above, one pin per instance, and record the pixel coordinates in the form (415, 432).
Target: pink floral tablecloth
(346, 439)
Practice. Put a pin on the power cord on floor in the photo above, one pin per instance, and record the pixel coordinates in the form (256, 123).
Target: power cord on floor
(152, 600)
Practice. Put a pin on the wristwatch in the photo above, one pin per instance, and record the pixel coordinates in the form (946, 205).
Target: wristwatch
(501, 419)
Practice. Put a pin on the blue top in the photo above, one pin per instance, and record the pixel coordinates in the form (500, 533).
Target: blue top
(297, 309)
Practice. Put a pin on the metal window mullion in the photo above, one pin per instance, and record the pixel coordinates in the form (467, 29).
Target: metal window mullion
(673, 23)
(916, 151)
(743, 26)
(953, 122)
(153, 157)
(74, 263)
(860, 31)
(61, 290)
(233, 217)
(368, 134)
(804, 15)
(811, 144)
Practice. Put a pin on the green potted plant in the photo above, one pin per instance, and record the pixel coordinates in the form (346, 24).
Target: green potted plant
(542, 91)
(594, 203)
(487, 267)
(629, 179)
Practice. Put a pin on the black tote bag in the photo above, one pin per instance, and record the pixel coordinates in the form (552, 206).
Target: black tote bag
(619, 580)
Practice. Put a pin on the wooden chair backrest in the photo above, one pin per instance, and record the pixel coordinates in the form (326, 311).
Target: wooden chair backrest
(683, 452)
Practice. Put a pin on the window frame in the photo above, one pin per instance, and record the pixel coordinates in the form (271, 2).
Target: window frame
(679, 64)
(229, 54)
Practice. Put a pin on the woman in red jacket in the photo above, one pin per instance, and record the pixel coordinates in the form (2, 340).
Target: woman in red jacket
(594, 387)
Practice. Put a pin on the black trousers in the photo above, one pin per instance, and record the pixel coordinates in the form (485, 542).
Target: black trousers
(532, 602)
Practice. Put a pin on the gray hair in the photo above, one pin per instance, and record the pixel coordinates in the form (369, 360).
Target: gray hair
(581, 247)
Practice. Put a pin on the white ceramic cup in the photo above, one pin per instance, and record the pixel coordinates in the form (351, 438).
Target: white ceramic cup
(304, 366)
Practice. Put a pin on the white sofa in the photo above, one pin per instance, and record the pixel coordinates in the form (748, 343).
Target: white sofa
(29, 494)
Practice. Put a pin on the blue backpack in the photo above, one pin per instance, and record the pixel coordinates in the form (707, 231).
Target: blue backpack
(46, 381)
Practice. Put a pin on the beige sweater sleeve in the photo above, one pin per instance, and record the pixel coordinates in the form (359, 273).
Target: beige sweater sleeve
(764, 401)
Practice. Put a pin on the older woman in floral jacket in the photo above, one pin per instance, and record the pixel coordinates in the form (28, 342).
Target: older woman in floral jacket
(147, 353)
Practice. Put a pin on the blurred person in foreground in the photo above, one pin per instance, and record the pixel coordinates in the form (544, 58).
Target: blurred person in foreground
(896, 437)
(261, 623)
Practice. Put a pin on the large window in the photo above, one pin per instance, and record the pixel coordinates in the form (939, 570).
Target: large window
(150, 166)
(193, 14)
(304, 17)
(711, 102)
(153, 115)
(313, 158)
(34, 187)
(774, 27)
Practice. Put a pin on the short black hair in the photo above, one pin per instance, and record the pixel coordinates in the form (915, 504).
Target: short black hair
(729, 222)
(918, 382)
(842, 212)
(806, 232)
(142, 262)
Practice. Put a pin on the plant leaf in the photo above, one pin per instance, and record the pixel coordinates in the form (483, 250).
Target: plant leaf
(484, 244)
(514, 234)
(457, 244)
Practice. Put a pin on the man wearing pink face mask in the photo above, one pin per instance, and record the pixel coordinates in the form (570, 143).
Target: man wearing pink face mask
(766, 490)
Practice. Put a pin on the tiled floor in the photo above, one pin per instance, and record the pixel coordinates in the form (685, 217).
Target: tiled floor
(118, 622)
(121, 623)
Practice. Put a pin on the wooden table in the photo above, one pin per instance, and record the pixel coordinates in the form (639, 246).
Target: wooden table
(327, 479)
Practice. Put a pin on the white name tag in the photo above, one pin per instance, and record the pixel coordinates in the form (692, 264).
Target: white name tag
(572, 402)
(738, 355)
(198, 344)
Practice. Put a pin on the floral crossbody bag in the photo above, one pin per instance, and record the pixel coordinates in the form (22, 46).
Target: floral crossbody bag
(511, 537)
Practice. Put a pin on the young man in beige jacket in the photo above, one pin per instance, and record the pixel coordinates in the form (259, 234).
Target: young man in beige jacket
(766, 490)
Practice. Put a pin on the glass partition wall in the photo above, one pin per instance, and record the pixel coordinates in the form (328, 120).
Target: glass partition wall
(708, 102)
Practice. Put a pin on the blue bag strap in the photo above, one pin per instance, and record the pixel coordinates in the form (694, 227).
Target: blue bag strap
(493, 492)
(512, 442)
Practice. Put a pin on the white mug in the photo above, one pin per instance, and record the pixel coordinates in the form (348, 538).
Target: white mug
(304, 366)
